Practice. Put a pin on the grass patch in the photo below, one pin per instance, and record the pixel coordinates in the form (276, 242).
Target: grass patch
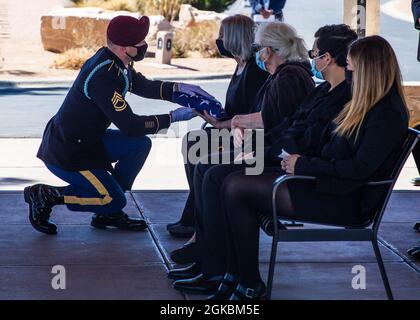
(73, 59)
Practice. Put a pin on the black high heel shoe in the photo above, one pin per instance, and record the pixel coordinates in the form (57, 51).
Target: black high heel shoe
(243, 293)
(186, 254)
(226, 288)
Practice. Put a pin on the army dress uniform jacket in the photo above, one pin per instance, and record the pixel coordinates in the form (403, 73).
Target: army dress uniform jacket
(72, 139)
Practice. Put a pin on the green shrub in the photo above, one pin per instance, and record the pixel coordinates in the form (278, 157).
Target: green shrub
(213, 5)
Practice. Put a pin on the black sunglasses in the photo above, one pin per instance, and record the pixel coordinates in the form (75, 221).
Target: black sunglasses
(312, 54)
(257, 47)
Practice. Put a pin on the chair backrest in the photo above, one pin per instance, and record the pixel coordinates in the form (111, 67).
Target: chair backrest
(404, 152)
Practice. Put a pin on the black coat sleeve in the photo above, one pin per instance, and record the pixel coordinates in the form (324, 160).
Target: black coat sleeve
(415, 7)
(106, 93)
(151, 89)
(284, 95)
(254, 81)
(381, 134)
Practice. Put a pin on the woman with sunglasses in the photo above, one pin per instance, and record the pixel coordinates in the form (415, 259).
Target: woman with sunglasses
(302, 132)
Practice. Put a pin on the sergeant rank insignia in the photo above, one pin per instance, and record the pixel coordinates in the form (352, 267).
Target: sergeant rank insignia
(118, 102)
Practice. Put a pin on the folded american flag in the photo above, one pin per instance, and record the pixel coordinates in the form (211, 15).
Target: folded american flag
(200, 103)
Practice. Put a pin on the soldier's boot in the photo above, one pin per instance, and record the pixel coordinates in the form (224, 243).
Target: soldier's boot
(119, 220)
(41, 198)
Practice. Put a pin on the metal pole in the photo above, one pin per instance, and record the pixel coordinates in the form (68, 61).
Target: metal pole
(361, 18)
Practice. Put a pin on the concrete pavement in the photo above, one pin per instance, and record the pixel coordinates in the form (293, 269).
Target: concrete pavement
(112, 264)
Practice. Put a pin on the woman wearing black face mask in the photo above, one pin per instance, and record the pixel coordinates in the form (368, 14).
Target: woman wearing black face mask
(235, 40)
(223, 51)
(349, 76)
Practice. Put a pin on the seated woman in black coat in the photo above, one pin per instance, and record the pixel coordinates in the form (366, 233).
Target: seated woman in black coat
(361, 147)
(235, 40)
(282, 52)
(301, 132)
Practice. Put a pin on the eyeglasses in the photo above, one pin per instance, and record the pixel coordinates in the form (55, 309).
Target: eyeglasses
(314, 54)
(258, 47)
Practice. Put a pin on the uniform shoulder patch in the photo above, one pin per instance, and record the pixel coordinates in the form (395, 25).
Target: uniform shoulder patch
(118, 102)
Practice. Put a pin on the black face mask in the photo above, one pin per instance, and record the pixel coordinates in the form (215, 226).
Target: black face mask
(222, 49)
(349, 76)
(141, 53)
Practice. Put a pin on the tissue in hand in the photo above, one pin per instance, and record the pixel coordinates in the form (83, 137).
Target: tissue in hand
(283, 154)
(200, 103)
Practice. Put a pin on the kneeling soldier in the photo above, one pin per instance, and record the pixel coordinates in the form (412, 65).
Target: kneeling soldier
(77, 145)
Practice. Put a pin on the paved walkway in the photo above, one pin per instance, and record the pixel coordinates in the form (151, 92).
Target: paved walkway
(22, 56)
(113, 264)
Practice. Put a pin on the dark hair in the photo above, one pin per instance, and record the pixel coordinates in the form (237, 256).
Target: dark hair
(335, 39)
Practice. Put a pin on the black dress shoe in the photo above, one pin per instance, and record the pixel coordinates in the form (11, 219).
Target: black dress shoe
(121, 221)
(200, 284)
(416, 182)
(185, 273)
(41, 198)
(185, 254)
(226, 288)
(414, 252)
(178, 230)
(243, 293)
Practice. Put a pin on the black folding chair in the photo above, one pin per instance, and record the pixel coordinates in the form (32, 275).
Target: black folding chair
(367, 232)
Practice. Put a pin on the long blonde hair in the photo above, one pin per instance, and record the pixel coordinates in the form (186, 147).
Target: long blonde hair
(376, 71)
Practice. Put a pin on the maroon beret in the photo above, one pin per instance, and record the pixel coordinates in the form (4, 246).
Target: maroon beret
(127, 31)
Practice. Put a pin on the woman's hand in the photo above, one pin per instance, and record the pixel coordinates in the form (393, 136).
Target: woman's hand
(238, 137)
(234, 123)
(266, 13)
(288, 163)
(212, 120)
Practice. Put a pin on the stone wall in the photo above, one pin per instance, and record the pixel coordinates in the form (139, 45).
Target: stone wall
(68, 28)
(412, 91)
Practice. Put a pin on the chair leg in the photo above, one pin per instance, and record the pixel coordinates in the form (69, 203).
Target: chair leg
(382, 269)
(271, 268)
